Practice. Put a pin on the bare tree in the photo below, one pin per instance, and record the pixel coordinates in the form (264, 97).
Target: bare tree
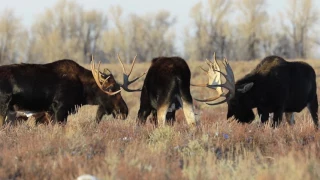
(66, 31)
(211, 29)
(251, 27)
(302, 17)
(94, 23)
(13, 38)
(155, 35)
(284, 47)
(148, 35)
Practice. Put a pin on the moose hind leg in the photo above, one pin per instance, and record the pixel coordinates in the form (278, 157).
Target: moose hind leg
(4, 107)
(61, 115)
(143, 114)
(189, 112)
(277, 118)
(153, 118)
(100, 112)
(290, 118)
(162, 113)
(264, 115)
(171, 117)
(187, 106)
(313, 109)
(60, 112)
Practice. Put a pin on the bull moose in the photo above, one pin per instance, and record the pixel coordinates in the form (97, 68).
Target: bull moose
(166, 88)
(57, 87)
(274, 86)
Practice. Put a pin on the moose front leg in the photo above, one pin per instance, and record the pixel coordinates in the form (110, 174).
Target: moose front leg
(277, 117)
(60, 112)
(100, 113)
(4, 104)
(60, 115)
(153, 119)
(264, 115)
(143, 115)
(171, 117)
(145, 108)
(2, 119)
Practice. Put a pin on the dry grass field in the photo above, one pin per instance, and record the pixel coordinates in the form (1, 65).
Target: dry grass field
(116, 149)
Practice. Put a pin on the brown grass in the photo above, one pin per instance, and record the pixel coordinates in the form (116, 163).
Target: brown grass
(114, 149)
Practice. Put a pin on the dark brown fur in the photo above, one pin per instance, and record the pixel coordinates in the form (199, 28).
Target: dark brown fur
(167, 86)
(55, 88)
(279, 86)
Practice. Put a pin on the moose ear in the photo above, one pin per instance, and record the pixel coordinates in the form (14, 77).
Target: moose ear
(246, 87)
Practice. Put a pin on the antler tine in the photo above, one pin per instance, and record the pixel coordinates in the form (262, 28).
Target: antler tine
(208, 62)
(199, 85)
(209, 99)
(132, 64)
(228, 97)
(104, 81)
(99, 63)
(223, 101)
(215, 63)
(134, 80)
(126, 75)
(215, 80)
(112, 93)
(96, 75)
(212, 66)
(229, 70)
(206, 71)
(124, 70)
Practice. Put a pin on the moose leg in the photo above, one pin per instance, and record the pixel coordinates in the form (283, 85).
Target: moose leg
(143, 115)
(277, 118)
(60, 115)
(42, 118)
(187, 107)
(171, 117)
(2, 119)
(153, 119)
(145, 108)
(4, 107)
(290, 118)
(60, 112)
(100, 113)
(313, 109)
(264, 115)
(162, 113)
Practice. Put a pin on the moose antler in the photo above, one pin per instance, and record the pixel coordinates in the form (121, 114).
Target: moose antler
(126, 75)
(214, 76)
(97, 77)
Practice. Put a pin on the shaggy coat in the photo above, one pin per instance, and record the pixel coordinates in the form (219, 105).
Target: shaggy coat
(166, 88)
(275, 86)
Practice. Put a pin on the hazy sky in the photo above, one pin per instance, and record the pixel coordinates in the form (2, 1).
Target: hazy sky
(28, 10)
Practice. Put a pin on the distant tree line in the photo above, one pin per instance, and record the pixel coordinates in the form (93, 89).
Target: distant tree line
(238, 30)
